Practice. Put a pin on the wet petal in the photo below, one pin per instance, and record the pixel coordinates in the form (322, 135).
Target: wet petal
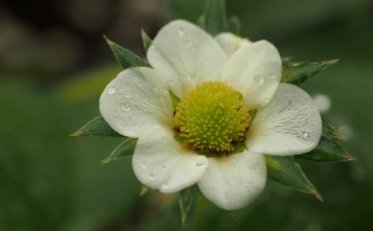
(135, 101)
(185, 51)
(290, 124)
(233, 182)
(255, 71)
(161, 163)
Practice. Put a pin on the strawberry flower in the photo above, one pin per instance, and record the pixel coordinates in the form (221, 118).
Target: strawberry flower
(207, 111)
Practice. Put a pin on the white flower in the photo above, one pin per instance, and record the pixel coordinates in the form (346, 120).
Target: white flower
(233, 110)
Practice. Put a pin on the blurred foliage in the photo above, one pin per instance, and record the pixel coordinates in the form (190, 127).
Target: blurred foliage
(50, 181)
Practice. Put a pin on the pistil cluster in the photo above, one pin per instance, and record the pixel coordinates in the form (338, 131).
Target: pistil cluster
(212, 118)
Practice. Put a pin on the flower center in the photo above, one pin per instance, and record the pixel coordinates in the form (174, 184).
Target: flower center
(212, 119)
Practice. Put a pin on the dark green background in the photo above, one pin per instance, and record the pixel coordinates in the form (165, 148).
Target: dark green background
(50, 87)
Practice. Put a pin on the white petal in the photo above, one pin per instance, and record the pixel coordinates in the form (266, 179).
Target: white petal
(136, 100)
(161, 163)
(187, 52)
(233, 182)
(230, 42)
(290, 124)
(255, 71)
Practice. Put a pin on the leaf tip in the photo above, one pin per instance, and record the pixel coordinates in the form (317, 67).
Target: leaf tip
(107, 160)
(350, 158)
(77, 133)
(333, 61)
(106, 38)
(108, 41)
(143, 33)
(317, 195)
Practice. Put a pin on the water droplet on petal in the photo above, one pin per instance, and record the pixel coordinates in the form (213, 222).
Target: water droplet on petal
(289, 102)
(200, 162)
(125, 108)
(181, 32)
(111, 90)
(265, 102)
(259, 79)
(273, 76)
(164, 167)
(164, 187)
(305, 134)
(151, 176)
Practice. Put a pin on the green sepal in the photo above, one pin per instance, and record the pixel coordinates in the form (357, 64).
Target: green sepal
(96, 127)
(146, 40)
(214, 18)
(297, 73)
(126, 58)
(286, 171)
(329, 131)
(234, 25)
(126, 148)
(328, 150)
(174, 99)
(187, 199)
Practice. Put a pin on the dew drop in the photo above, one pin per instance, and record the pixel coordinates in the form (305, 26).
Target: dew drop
(200, 162)
(125, 108)
(143, 166)
(164, 167)
(190, 44)
(111, 90)
(164, 187)
(259, 79)
(305, 134)
(151, 176)
(288, 103)
(273, 76)
(265, 101)
(181, 32)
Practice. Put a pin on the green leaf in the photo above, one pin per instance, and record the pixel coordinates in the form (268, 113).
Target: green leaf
(126, 58)
(146, 41)
(327, 151)
(297, 73)
(187, 199)
(286, 171)
(126, 148)
(213, 18)
(96, 127)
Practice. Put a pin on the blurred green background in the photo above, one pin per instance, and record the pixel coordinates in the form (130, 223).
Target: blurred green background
(54, 65)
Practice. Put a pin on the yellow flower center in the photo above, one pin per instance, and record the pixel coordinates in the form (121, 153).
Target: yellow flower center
(212, 119)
